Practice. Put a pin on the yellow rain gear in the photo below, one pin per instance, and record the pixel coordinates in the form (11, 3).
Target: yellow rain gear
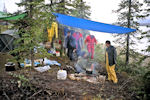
(111, 71)
(53, 31)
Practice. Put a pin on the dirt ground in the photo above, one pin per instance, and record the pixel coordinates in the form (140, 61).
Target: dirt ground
(45, 86)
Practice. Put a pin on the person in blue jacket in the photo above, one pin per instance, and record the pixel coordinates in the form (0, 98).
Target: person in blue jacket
(70, 45)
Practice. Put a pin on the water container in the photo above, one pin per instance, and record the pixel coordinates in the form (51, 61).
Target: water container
(62, 74)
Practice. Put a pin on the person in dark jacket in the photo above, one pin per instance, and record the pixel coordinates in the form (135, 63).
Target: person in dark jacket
(70, 45)
(110, 58)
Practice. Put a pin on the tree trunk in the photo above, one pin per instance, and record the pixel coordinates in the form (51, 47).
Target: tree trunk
(81, 10)
(128, 36)
(62, 35)
(32, 50)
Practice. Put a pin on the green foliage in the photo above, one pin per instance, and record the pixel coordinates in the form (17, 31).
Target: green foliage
(146, 80)
(132, 69)
(146, 34)
(136, 72)
(42, 53)
(99, 53)
(142, 75)
(142, 86)
(32, 29)
(81, 9)
(21, 78)
(135, 69)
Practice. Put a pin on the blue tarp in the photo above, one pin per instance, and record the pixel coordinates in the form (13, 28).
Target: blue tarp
(91, 25)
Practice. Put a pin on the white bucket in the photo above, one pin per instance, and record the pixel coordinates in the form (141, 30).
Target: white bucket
(62, 74)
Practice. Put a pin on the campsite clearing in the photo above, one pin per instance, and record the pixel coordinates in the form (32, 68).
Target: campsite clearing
(46, 86)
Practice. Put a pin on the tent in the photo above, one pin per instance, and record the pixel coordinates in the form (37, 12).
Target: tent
(91, 25)
(5, 16)
(2, 15)
(6, 40)
(4, 23)
(7, 37)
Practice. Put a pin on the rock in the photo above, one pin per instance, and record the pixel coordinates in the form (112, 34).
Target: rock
(101, 78)
(91, 79)
(72, 76)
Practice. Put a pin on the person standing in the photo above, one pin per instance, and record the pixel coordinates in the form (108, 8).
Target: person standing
(79, 42)
(110, 58)
(90, 42)
(70, 45)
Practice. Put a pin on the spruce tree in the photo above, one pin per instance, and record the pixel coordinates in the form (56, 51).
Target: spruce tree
(146, 34)
(31, 29)
(81, 10)
(128, 12)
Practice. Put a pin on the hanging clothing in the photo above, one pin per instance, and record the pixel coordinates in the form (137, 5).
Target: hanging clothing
(53, 31)
(90, 41)
(110, 67)
(79, 41)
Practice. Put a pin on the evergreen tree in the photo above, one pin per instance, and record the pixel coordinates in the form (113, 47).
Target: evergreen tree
(128, 12)
(146, 34)
(81, 10)
(31, 29)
